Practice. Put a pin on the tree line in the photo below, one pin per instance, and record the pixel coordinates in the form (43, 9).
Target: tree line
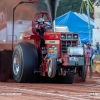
(65, 6)
(27, 11)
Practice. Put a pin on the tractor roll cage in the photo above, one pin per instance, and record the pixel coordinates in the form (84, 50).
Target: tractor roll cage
(37, 16)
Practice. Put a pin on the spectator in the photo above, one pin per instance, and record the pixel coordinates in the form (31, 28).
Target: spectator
(89, 50)
(98, 48)
(84, 46)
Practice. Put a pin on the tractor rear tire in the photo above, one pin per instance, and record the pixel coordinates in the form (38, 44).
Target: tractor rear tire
(52, 64)
(25, 60)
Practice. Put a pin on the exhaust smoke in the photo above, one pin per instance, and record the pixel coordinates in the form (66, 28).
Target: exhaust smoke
(52, 7)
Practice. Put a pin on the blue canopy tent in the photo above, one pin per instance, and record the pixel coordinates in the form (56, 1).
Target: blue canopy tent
(77, 23)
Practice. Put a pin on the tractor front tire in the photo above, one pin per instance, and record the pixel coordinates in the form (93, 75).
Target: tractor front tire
(25, 60)
(68, 79)
(52, 64)
(82, 72)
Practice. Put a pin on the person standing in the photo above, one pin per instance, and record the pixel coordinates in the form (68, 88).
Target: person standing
(89, 50)
(98, 48)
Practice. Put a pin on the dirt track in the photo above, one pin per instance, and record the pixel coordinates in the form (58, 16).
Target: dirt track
(90, 90)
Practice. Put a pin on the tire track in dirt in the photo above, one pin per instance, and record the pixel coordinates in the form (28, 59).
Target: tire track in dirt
(90, 90)
(44, 93)
(57, 91)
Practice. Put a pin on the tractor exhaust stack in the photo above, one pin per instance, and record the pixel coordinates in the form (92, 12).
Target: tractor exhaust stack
(52, 6)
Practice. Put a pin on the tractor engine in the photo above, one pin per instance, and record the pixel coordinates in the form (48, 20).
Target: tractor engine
(63, 45)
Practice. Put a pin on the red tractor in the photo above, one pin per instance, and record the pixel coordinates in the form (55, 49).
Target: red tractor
(63, 57)
(55, 53)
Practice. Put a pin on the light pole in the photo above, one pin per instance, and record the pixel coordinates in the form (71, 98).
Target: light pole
(89, 25)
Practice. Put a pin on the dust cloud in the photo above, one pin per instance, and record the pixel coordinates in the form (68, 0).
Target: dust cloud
(23, 11)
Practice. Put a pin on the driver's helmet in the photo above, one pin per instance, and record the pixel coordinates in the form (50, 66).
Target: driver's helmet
(41, 20)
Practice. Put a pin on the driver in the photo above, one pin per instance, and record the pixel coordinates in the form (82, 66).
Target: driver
(41, 28)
